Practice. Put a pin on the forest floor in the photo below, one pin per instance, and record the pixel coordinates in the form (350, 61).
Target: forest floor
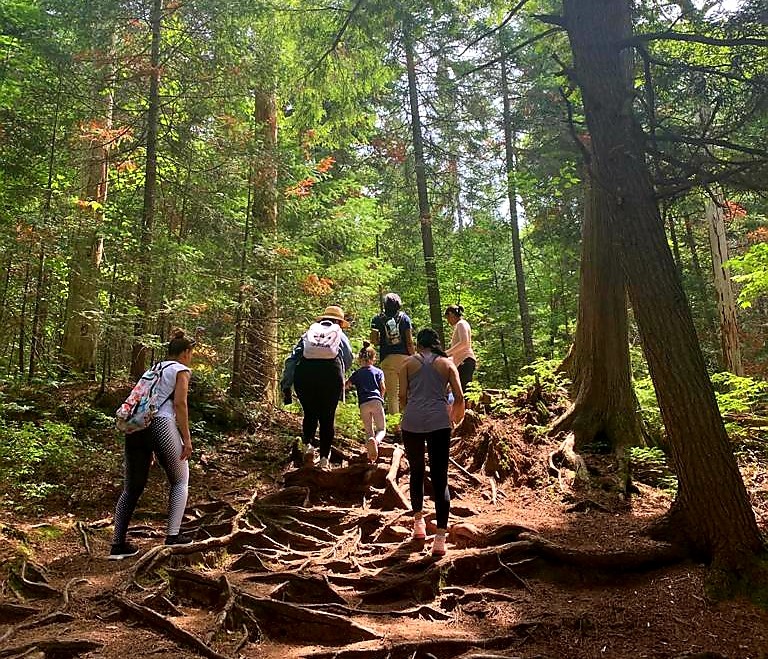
(296, 562)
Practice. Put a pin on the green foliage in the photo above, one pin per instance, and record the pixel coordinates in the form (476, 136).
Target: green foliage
(649, 465)
(544, 373)
(35, 459)
(751, 270)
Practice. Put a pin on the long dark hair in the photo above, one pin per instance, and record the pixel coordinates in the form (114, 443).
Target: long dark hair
(392, 304)
(428, 338)
(179, 342)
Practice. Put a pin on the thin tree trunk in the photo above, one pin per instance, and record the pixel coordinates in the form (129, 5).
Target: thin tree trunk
(236, 381)
(260, 367)
(675, 243)
(726, 301)
(425, 218)
(509, 147)
(23, 321)
(39, 288)
(711, 511)
(144, 261)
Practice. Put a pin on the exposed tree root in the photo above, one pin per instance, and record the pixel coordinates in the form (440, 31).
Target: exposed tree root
(445, 648)
(163, 624)
(643, 558)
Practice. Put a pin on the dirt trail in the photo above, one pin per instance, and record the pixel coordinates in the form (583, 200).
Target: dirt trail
(321, 564)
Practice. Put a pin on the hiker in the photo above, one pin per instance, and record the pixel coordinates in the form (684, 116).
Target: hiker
(370, 385)
(392, 332)
(168, 438)
(427, 420)
(315, 368)
(460, 349)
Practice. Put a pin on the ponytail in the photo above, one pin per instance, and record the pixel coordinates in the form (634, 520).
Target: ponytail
(367, 352)
(428, 338)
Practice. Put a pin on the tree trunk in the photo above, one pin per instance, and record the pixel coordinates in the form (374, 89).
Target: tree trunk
(522, 298)
(726, 301)
(425, 218)
(144, 261)
(259, 370)
(81, 329)
(604, 405)
(712, 509)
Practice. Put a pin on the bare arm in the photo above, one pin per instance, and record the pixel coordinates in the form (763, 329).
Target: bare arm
(403, 380)
(457, 409)
(182, 412)
(409, 346)
(374, 337)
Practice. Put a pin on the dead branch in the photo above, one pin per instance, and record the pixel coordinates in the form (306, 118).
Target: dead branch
(54, 647)
(391, 487)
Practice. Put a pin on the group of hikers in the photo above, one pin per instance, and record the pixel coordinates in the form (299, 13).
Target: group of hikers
(419, 378)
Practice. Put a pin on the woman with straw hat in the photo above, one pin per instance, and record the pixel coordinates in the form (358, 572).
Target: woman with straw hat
(316, 369)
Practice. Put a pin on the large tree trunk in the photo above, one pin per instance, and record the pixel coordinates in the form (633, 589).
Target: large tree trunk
(259, 369)
(81, 329)
(726, 301)
(425, 218)
(144, 261)
(604, 404)
(711, 509)
(522, 298)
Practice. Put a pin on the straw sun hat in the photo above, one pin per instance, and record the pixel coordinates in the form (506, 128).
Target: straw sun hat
(334, 313)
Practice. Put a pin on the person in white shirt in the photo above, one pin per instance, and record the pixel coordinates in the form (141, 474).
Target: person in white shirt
(168, 439)
(460, 349)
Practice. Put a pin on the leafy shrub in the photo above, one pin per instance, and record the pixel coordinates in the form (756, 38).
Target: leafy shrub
(35, 459)
(543, 372)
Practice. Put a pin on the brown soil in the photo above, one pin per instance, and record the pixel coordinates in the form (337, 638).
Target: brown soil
(325, 567)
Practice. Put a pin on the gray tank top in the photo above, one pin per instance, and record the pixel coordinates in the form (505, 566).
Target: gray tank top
(427, 407)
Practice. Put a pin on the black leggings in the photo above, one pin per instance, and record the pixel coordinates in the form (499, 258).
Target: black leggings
(466, 370)
(164, 440)
(438, 443)
(318, 384)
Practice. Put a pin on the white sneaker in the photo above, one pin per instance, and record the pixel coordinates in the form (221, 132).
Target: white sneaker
(373, 449)
(309, 455)
(323, 464)
(419, 529)
(438, 546)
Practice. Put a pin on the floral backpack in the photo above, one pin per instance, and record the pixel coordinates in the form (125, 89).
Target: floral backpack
(141, 406)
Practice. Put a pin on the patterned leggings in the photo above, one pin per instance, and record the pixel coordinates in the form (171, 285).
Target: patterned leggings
(164, 440)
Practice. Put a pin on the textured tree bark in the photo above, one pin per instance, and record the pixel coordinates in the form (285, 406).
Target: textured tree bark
(144, 261)
(81, 329)
(425, 218)
(726, 302)
(259, 370)
(604, 405)
(711, 510)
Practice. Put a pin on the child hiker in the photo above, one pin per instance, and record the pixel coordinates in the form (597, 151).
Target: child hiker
(369, 382)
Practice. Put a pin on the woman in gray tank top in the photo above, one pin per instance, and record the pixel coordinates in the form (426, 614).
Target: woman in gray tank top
(427, 423)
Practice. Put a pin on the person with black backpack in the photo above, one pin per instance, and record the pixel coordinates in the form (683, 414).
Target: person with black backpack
(392, 332)
(157, 423)
(315, 369)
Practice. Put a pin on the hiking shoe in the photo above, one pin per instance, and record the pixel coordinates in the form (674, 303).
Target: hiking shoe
(122, 550)
(373, 449)
(419, 529)
(309, 454)
(438, 546)
(178, 539)
(324, 464)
